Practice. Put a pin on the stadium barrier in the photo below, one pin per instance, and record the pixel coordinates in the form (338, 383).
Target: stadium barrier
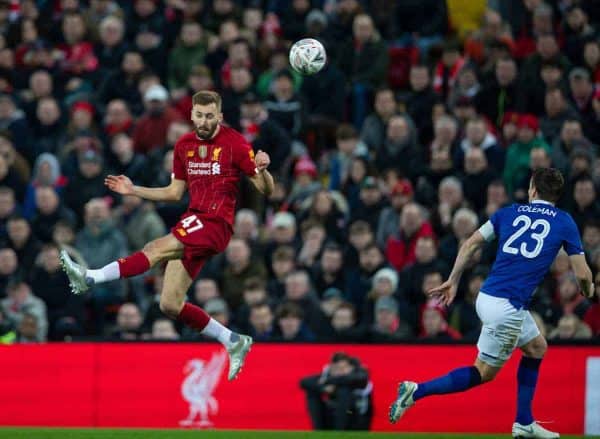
(185, 385)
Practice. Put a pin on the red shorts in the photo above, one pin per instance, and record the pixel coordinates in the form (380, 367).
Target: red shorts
(203, 235)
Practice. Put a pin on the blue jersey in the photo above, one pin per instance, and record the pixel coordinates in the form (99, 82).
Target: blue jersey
(529, 237)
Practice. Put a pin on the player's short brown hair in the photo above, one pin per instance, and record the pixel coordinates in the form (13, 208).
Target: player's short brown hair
(549, 183)
(207, 97)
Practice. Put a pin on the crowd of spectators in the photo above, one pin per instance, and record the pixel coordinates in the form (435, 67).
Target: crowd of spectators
(428, 117)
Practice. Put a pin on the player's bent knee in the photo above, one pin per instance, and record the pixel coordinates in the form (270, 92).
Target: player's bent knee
(171, 308)
(536, 348)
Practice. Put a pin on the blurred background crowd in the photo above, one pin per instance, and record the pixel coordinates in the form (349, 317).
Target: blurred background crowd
(428, 117)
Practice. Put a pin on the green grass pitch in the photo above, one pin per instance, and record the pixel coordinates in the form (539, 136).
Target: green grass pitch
(98, 433)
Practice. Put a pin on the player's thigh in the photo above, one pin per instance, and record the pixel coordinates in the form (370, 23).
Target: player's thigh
(175, 285)
(531, 342)
(164, 248)
(500, 331)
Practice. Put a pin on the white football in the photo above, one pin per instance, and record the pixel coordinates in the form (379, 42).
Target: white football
(307, 56)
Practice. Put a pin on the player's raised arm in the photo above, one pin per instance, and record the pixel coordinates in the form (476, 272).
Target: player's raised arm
(124, 186)
(583, 274)
(263, 180)
(447, 291)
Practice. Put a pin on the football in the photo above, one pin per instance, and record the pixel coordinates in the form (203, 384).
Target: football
(307, 56)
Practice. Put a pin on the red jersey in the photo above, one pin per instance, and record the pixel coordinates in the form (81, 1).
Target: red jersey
(212, 169)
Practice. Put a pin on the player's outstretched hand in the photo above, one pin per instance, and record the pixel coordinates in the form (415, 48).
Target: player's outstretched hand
(445, 293)
(119, 184)
(262, 160)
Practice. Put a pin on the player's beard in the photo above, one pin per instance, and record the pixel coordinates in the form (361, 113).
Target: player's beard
(206, 132)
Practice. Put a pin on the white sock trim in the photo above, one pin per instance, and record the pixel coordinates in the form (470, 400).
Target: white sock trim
(215, 330)
(105, 274)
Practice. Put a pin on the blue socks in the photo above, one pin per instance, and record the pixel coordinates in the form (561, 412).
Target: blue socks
(458, 380)
(527, 376)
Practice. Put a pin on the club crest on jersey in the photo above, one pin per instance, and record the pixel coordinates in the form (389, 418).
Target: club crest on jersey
(216, 154)
(203, 151)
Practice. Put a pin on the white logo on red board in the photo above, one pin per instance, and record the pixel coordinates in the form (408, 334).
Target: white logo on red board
(198, 387)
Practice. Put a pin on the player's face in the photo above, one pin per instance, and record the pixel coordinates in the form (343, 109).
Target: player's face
(206, 119)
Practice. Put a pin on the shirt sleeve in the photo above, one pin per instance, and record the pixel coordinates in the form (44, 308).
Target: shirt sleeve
(487, 231)
(572, 240)
(244, 158)
(178, 164)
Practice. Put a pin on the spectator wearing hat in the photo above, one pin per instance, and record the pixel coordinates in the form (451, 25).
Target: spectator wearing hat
(151, 129)
(370, 204)
(188, 51)
(388, 326)
(364, 61)
(123, 83)
(81, 121)
(87, 183)
(556, 112)
(305, 183)
(509, 128)
(331, 299)
(286, 106)
(517, 156)
(46, 172)
(434, 325)
(383, 284)
(282, 231)
(264, 133)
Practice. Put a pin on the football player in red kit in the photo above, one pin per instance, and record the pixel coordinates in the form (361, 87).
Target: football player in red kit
(209, 162)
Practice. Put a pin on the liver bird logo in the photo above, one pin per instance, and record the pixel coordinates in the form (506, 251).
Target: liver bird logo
(198, 387)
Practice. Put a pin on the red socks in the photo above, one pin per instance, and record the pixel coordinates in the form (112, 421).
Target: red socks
(133, 265)
(193, 316)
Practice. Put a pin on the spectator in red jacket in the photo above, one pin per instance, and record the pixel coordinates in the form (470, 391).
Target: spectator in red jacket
(400, 250)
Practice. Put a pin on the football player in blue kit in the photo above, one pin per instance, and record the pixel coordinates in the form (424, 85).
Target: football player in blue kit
(529, 237)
